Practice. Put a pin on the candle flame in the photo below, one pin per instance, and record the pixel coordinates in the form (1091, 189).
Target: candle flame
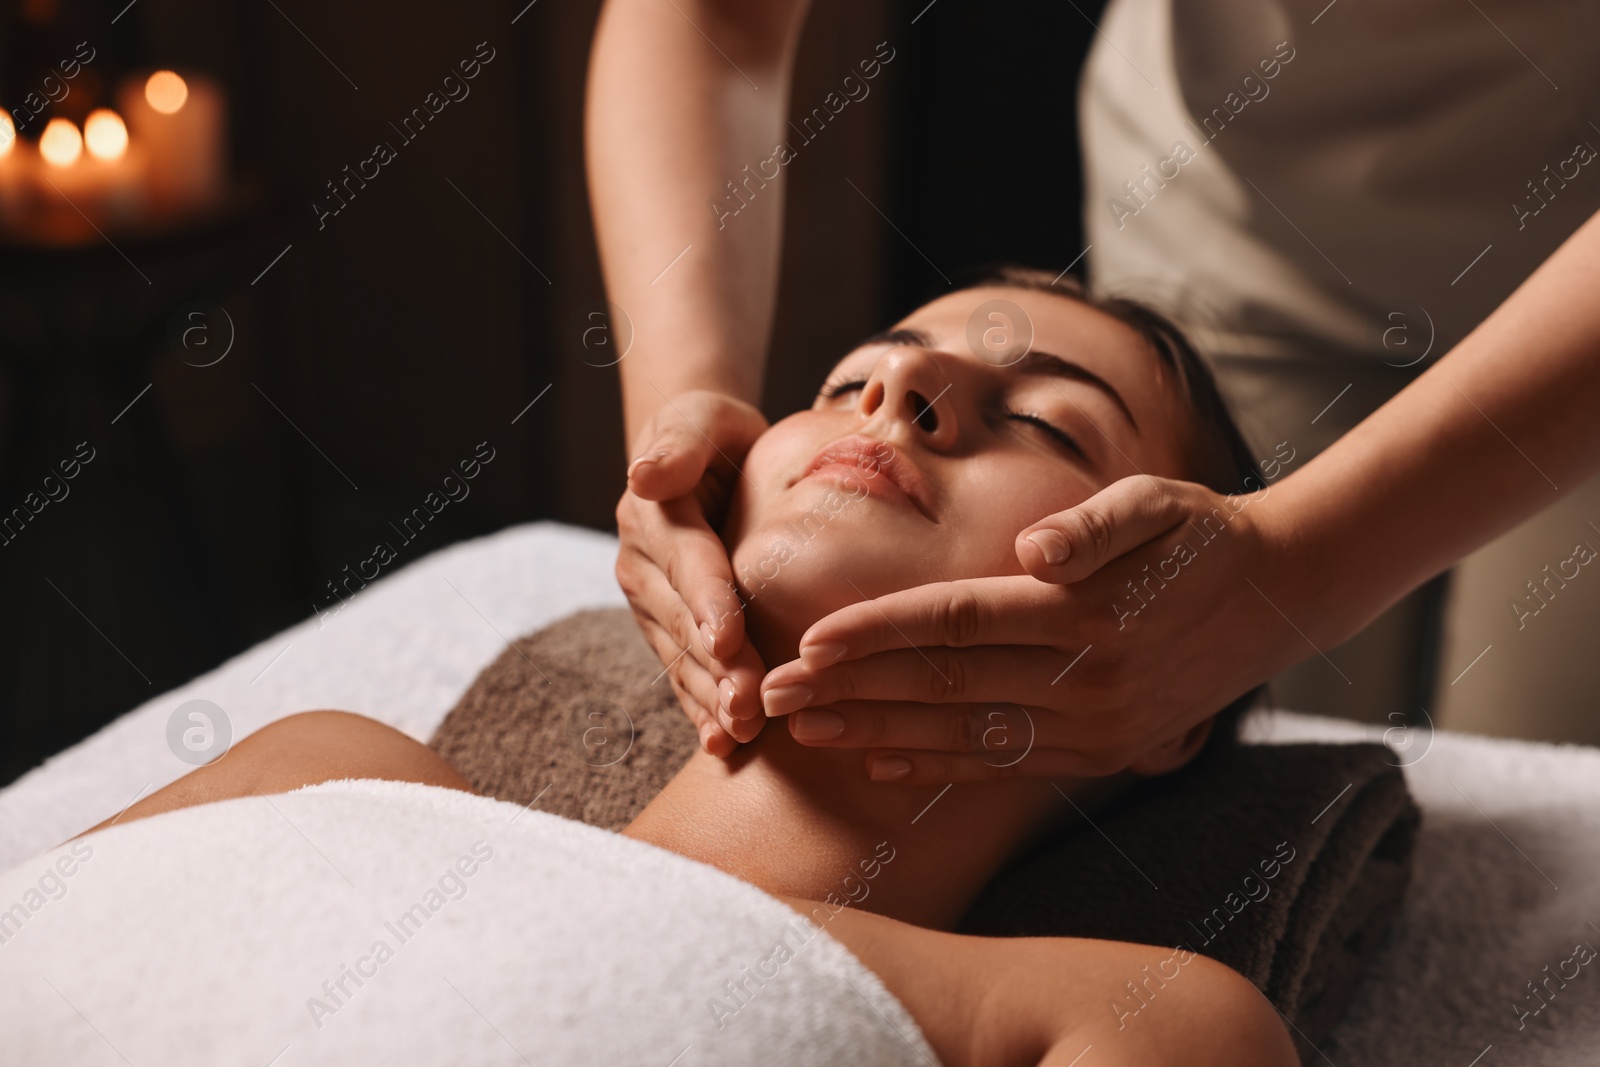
(8, 134)
(105, 135)
(61, 143)
(166, 92)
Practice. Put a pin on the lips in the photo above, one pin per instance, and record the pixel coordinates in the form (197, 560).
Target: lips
(876, 458)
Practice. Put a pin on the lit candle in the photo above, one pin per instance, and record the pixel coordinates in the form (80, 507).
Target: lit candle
(116, 168)
(105, 135)
(66, 186)
(180, 125)
(61, 144)
(166, 91)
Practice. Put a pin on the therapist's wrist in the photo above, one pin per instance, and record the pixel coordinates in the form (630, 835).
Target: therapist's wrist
(1309, 566)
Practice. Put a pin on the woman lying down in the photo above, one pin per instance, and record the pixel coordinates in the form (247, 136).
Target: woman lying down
(928, 460)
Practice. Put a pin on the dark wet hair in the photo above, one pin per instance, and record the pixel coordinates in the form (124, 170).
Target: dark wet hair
(1221, 458)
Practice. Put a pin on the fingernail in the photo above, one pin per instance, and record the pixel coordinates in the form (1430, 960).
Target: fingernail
(1052, 544)
(889, 769)
(815, 724)
(823, 654)
(706, 730)
(786, 698)
(708, 637)
(725, 693)
(727, 722)
(649, 457)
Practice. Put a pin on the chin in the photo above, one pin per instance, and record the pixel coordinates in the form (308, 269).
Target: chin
(792, 572)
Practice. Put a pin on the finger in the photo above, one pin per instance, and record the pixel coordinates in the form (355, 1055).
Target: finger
(713, 738)
(1073, 544)
(1002, 731)
(739, 688)
(653, 599)
(1012, 610)
(698, 568)
(736, 682)
(696, 692)
(933, 675)
(697, 683)
(912, 767)
(695, 433)
(674, 541)
(699, 692)
(672, 464)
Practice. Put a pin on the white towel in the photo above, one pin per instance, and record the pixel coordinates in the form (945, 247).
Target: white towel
(395, 923)
(402, 651)
(1479, 922)
(1506, 883)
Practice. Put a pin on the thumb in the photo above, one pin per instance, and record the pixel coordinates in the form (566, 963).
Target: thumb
(671, 465)
(703, 431)
(1071, 545)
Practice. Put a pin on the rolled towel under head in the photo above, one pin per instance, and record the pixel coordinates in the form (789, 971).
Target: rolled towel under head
(1286, 862)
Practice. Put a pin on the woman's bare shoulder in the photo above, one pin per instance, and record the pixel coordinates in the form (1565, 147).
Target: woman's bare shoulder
(987, 1001)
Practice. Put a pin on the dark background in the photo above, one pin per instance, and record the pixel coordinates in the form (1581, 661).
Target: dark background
(381, 349)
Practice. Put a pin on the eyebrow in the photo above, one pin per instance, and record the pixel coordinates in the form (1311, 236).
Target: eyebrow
(1035, 363)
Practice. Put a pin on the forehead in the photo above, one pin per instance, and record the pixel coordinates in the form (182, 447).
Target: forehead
(1060, 325)
(995, 325)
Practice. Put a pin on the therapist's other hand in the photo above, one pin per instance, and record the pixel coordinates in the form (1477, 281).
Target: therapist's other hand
(674, 569)
(1109, 654)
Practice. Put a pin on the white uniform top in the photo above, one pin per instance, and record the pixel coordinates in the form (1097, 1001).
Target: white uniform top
(1305, 178)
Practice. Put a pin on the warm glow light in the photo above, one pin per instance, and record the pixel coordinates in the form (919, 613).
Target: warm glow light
(61, 143)
(105, 135)
(8, 134)
(166, 92)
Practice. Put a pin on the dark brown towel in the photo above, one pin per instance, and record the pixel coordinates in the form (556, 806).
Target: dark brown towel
(1285, 862)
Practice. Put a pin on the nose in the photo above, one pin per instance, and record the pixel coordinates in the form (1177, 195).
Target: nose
(909, 390)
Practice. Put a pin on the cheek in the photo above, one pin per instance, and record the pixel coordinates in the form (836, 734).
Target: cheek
(776, 453)
(1003, 499)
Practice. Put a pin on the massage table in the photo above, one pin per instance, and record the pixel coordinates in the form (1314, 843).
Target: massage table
(1483, 966)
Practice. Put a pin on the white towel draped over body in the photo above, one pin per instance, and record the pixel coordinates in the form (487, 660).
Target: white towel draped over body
(394, 923)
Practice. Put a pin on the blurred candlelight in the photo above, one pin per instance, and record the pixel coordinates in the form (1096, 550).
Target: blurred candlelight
(166, 91)
(61, 143)
(179, 125)
(15, 166)
(105, 135)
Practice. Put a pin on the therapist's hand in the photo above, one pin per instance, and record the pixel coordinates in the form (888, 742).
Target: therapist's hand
(1065, 670)
(674, 568)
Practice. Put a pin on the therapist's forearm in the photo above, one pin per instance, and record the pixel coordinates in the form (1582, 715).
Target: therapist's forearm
(682, 95)
(1492, 434)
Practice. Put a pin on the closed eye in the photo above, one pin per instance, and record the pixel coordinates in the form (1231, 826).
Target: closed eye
(830, 390)
(1060, 435)
(840, 387)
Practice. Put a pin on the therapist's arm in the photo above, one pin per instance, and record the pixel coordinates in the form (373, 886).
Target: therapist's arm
(682, 96)
(1492, 434)
(1496, 431)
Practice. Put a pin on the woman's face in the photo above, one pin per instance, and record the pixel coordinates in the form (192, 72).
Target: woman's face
(932, 446)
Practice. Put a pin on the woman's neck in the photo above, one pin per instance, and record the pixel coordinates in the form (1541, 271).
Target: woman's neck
(807, 822)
